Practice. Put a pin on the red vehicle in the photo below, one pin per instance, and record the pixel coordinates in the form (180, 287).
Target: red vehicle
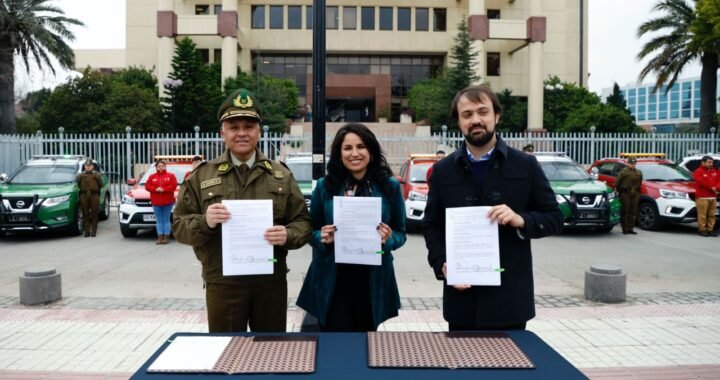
(135, 212)
(413, 181)
(667, 194)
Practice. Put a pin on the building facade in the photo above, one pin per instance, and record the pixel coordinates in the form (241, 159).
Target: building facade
(376, 49)
(664, 110)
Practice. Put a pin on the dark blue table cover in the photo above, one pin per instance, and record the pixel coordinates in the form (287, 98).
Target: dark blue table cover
(344, 356)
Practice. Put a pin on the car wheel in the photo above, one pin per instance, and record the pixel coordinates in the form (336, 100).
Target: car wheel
(105, 213)
(127, 232)
(76, 227)
(648, 217)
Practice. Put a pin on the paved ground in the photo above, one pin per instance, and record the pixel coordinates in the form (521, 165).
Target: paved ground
(124, 297)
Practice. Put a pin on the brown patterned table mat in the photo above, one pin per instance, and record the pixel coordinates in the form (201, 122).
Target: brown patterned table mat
(269, 354)
(444, 350)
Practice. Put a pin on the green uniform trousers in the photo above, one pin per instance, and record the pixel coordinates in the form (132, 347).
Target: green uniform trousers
(629, 210)
(232, 307)
(90, 205)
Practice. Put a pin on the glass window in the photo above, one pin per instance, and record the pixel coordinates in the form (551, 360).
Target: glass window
(663, 114)
(202, 9)
(386, 18)
(422, 16)
(403, 19)
(631, 92)
(258, 16)
(439, 19)
(217, 8)
(276, 17)
(205, 54)
(308, 17)
(332, 17)
(294, 17)
(368, 18)
(350, 18)
(493, 64)
(217, 55)
(493, 14)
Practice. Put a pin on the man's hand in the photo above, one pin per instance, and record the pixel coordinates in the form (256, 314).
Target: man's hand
(216, 213)
(276, 235)
(458, 287)
(504, 215)
(327, 234)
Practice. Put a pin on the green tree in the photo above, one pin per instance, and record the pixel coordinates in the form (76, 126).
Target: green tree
(563, 99)
(138, 76)
(32, 29)
(464, 57)
(605, 118)
(429, 100)
(192, 94)
(617, 99)
(514, 112)
(34, 100)
(679, 36)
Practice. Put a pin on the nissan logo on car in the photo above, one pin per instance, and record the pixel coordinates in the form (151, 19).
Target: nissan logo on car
(19, 204)
(586, 200)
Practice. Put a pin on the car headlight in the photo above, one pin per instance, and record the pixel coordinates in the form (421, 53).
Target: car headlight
(415, 196)
(126, 199)
(560, 199)
(56, 200)
(669, 194)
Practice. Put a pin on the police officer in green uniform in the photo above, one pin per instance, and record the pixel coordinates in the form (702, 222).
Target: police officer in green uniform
(241, 172)
(90, 183)
(628, 185)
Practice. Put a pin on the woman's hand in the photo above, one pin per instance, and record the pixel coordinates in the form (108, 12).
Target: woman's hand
(385, 232)
(159, 190)
(327, 234)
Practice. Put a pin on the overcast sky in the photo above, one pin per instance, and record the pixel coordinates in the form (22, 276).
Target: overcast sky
(613, 43)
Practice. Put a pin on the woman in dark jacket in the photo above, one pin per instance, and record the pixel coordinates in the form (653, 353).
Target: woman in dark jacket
(162, 185)
(349, 297)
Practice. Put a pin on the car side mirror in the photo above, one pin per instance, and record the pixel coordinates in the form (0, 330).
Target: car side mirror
(131, 181)
(3, 177)
(595, 173)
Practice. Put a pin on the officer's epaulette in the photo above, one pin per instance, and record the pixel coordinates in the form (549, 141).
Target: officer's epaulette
(199, 165)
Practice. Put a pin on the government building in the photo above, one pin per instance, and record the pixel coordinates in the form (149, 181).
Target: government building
(376, 49)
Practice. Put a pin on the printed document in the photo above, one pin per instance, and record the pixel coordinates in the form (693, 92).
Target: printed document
(244, 248)
(191, 353)
(472, 247)
(357, 240)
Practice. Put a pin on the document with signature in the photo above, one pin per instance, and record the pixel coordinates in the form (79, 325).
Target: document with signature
(357, 240)
(472, 247)
(244, 249)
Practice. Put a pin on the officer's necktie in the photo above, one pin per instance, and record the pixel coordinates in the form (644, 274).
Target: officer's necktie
(244, 173)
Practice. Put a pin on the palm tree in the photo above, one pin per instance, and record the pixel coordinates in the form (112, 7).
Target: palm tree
(675, 44)
(30, 28)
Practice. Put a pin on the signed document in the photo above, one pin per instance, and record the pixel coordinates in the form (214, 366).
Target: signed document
(472, 247)
(357, 240)
(244, 249)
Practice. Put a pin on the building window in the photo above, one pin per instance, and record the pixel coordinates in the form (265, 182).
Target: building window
(308, 17)
(202, 9)
(332, 17)
(217, 8)
(386, 18)
(493, 64)
(350, 18)
(217, 55)
(493, 14)
(294, 17)
(258, 16)
(403, 19)
(439, 19)
(276, 17)
(205, 54)
(367, 18)
(422, 19)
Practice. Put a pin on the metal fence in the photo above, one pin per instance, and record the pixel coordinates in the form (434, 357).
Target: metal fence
(126, 155)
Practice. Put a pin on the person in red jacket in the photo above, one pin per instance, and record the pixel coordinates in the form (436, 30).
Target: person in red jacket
(161, 186)
(706, 192)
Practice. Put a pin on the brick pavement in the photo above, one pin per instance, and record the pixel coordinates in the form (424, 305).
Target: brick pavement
(652, 336)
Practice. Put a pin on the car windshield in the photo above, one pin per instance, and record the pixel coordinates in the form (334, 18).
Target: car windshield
(663, 172)
(45, 174)
(564, 171)
(177, 170)
(418, 173)
(302, 171)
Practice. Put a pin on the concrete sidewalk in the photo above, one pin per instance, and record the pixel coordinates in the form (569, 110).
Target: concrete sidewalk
(652, 336)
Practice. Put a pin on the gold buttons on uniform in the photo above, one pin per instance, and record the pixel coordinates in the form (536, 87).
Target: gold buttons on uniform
(279, 188)
(210, 194)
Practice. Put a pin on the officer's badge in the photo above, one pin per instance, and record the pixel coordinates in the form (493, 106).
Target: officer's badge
(243, 102)
(210, 182)
(267, 165)
(278, 174)
(223, 167)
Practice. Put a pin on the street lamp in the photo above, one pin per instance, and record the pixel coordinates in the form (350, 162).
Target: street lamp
(552, 88)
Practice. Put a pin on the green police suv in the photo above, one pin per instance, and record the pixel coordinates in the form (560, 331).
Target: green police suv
(43, 194)
(584, 201)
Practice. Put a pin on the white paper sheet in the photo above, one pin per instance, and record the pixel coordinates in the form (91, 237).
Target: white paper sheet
(357, 240)
(191, 353)
(472, 247)
(244, 249)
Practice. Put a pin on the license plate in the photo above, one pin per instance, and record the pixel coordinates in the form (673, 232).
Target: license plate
(589, 215)
(149, 218)
(19, 218)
